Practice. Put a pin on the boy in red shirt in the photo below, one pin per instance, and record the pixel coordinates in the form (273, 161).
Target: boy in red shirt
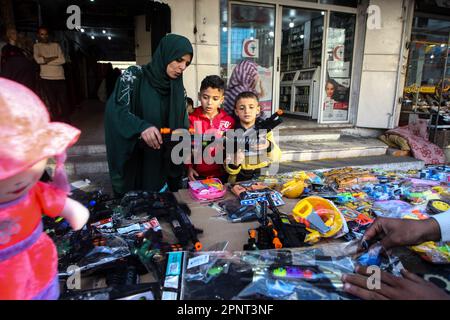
(210, 119)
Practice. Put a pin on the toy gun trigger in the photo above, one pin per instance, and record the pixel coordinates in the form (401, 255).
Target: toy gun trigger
(276, 241)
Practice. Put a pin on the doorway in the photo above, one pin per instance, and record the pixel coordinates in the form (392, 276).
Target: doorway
(300, 61)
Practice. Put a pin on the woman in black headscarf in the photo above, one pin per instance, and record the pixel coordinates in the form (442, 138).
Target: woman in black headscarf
(145, 100)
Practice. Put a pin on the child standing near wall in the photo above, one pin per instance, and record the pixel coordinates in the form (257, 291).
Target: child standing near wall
(241, 166)
(210, 119)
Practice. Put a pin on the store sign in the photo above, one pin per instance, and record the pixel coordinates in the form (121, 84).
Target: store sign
(338, 53)
(338, 69)
(250, 48)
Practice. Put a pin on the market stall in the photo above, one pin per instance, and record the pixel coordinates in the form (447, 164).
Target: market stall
(300, 230)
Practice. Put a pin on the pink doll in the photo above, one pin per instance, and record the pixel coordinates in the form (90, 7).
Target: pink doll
(28, 257)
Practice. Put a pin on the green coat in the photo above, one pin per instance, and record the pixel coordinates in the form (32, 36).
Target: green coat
(144, 97)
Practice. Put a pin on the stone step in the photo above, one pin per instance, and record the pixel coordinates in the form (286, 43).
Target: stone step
(89, 149)
(283, 136)
(92, 159)
(80, 165)
(306, 135)
(383, 162)
(345, 147)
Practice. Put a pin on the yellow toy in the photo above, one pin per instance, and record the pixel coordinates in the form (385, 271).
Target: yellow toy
(321, 217)
(293, 188)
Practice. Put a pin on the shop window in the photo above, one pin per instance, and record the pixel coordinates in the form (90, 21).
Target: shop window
(346, 3)
(427, 85)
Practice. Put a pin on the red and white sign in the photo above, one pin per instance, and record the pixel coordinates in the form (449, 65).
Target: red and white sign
(250, 48)
(338, 53)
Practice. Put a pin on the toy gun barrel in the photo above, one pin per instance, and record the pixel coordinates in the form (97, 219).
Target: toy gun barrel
(272, 122)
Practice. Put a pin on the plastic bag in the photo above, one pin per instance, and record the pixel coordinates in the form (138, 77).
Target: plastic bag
(312, 273)
(434, 252)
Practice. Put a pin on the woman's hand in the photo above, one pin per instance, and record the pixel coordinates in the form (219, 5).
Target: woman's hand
(391, 287)
(152, 138)
(192, 174)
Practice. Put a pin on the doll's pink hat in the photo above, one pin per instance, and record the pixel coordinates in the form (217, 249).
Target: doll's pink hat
(26, 134)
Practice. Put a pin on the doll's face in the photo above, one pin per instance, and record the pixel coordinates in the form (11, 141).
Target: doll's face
(18, 185)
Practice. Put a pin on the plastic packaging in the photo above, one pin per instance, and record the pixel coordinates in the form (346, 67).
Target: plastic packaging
(434, 252)
(312, 273)
(208, 189)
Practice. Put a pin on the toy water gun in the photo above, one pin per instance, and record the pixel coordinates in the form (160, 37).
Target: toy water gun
(321, 217)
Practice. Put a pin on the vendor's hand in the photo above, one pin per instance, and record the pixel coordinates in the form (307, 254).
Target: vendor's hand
(152, 138)
(192, 174)
(408, 287)
(402, 232)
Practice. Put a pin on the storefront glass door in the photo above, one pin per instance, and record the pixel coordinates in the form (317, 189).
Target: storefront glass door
(300, 62)
(339, 65)
(250, 47)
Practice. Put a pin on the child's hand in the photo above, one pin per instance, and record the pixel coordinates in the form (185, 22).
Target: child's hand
(192, 174)
(75, 213)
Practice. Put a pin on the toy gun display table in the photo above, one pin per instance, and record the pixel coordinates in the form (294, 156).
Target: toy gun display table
(218, 230)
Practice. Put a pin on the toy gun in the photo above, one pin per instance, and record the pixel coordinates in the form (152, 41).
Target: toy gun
(291, 233)
(183, 228)
(250, 137)
(277, 230)
(165, 206)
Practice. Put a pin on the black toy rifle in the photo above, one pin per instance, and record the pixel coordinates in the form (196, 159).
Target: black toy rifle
(250, 137)
(277, 230)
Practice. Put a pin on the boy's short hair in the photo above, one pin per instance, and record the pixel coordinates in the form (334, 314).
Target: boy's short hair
(246, 95)
(214, 82)
(189, 101)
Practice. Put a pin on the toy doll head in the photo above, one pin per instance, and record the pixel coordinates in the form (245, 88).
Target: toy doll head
(27, 140)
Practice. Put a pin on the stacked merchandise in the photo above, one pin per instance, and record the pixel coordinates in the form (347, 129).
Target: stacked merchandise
(122, 241)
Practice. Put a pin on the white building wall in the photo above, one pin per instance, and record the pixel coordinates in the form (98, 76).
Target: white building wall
(186, 14)
(380, 82)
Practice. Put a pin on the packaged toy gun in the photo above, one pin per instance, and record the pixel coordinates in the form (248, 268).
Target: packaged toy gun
(164, 206)
(143, 291)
